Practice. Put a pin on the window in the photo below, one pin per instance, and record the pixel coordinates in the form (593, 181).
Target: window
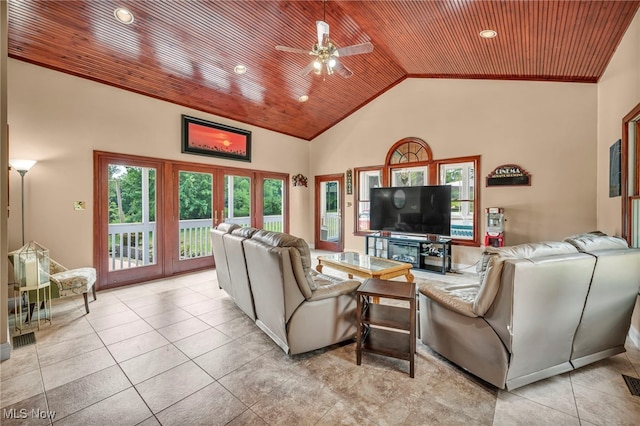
(366, 178)
(410, 176)
(410, 162)
(461, 175)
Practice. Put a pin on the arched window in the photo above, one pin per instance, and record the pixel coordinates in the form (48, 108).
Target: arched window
(409, 150)
(408, 163)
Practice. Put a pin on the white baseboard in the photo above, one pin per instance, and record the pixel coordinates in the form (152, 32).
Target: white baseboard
(634, 335)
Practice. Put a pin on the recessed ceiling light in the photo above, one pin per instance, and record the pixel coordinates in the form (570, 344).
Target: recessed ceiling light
(240, 69)
(488, 33)
(123, 15)
(303, 98)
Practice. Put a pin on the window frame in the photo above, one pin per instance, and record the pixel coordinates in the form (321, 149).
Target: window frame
(433, 168)
(475, 159)
(359, 197)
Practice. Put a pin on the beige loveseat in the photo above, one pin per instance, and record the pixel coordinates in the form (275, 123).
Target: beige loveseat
(269, 276)
(539, 309)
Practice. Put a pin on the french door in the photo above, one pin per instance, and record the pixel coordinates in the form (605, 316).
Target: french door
(129, 244)
(329, 204)
(152, 217)
(195, 189)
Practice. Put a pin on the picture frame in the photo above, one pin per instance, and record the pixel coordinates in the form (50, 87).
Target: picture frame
(615, 169)
(202, 137)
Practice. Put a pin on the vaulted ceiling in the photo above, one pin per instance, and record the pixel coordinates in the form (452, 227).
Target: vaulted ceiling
(185, 52)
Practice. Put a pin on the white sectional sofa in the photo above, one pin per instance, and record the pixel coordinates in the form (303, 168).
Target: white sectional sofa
(538, 310)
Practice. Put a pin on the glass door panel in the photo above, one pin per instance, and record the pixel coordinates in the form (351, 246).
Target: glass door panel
(192, 218)
(237, 200)
(131, 237)
(195, 207)
(329, 213)
(273, 204)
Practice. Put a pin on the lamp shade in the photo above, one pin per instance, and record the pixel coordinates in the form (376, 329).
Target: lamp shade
(22, 165)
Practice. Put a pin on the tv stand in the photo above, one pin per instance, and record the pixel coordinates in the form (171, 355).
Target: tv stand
(431, 254)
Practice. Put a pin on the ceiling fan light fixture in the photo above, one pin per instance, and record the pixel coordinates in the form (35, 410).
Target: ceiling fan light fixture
(240, 69)
(123, 15)
(488, 33)
(317, 65)
(329, 69)
(332, 62)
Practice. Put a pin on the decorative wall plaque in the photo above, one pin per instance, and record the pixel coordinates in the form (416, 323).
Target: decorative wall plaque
(508, 174)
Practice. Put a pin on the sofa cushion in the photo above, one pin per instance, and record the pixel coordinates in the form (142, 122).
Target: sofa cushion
(280, 239)
(227, 227)
(244, 232)
(593, 241)
(483, 263)
(329, 286)
(491, 282)
(456, 297)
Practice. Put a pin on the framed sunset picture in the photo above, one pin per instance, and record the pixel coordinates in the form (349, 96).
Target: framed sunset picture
(215, 140)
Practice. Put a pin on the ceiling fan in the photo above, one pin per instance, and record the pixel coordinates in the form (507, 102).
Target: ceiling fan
(327, 53)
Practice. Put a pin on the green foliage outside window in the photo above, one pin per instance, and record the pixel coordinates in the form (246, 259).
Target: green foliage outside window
(195, 195)
(125, 194)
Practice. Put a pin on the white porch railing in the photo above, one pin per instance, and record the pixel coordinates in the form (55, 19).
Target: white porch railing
(134, 244)
(131, 245)
(274, 223)
(330, 227)
(194, 238)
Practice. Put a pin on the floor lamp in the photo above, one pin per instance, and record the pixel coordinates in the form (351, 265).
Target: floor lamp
(22, 167)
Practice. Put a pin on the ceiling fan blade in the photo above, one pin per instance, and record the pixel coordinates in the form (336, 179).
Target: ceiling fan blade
(293, 50)
(307, 69)
(342, 70)
(323, 32)
(356, 49)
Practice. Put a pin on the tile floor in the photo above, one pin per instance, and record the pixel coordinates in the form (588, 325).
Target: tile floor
(178, 351)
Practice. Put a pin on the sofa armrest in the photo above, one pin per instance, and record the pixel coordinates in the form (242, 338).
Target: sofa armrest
(328, 287)
(455, 297)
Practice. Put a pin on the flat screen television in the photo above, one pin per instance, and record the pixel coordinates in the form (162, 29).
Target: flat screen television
(411, 209)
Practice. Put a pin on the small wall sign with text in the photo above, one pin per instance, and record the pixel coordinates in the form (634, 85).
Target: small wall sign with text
(508, 174)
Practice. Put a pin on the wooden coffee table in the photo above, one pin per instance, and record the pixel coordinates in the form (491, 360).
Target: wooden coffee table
(365, 266)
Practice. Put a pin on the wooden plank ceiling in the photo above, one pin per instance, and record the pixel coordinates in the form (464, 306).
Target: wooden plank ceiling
(184, 52)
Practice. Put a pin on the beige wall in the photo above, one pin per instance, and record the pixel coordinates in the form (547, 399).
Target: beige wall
(60, 120)
(618, 94)
(549, 129)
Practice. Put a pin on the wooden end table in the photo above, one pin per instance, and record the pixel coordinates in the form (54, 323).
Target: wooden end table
(383, 329)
